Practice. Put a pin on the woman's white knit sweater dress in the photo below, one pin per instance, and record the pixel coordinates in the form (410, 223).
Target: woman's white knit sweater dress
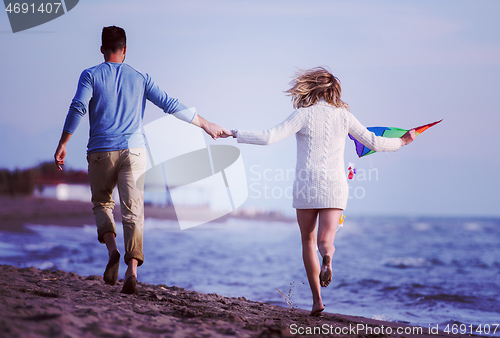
(321, 131)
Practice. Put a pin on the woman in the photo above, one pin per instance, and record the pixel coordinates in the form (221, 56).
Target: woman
(320, 123)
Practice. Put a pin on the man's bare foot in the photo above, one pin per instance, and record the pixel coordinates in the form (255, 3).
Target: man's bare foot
(130, 285)
(111, 272)
(132, 268)
(317, 309)
(325, 276)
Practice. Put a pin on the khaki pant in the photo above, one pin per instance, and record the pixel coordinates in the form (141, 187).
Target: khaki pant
(126, 169)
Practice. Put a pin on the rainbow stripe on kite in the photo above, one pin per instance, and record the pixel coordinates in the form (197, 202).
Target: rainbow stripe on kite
(390, 132)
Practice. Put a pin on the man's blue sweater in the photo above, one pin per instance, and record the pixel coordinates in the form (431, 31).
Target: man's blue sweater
(114, 95)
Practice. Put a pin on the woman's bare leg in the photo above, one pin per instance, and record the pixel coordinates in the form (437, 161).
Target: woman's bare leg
(327, 228)
(307, 224)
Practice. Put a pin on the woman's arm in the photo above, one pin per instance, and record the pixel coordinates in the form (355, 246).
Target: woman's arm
(369, 139)
(286, 128)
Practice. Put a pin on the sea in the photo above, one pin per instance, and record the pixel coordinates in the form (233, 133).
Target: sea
(424, 271)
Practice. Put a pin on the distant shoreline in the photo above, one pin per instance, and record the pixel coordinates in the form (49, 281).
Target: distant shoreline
(15, 212)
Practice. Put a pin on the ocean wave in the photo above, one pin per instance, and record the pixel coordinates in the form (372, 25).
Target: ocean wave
(472, 226)
(9, 250)
(42, 265)
(446, 297)
(43, 246)
(369, 282)
(383, 317)
(409, 262)
(471, 263)
(421, 226)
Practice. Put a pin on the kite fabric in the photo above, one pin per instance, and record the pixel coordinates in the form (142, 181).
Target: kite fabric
(390, 132)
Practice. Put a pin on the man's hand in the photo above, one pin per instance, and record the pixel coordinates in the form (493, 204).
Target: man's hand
(212, 129)
(60, 154)
(226, 133)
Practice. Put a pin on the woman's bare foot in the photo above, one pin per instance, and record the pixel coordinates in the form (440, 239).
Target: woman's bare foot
(317, 309)
(325, 276)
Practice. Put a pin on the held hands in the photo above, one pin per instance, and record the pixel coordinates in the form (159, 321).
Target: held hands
(408, 137)
(226, 133)
(219, 132)
(212, 129)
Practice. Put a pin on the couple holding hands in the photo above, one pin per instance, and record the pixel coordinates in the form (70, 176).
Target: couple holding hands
(114, 94)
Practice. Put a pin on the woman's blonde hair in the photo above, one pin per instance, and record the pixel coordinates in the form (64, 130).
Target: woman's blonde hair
(309, 86)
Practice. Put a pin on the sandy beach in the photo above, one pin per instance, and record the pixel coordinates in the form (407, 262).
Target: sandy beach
(52, 303)
(44, 303)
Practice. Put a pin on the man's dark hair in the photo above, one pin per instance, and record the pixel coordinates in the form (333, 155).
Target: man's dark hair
(113, 38)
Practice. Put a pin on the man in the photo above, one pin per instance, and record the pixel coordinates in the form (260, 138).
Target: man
(114, 94)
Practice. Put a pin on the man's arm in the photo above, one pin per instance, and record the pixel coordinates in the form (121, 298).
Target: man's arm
(61, 149)
(77, 109)
(80, 103)
(171, 106)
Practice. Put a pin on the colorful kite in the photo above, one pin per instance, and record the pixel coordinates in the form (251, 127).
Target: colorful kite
(387, 132)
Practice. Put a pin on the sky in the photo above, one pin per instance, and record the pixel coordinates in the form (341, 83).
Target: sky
(401, 64)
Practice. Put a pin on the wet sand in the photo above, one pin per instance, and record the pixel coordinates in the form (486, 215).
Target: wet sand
(36, 303)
